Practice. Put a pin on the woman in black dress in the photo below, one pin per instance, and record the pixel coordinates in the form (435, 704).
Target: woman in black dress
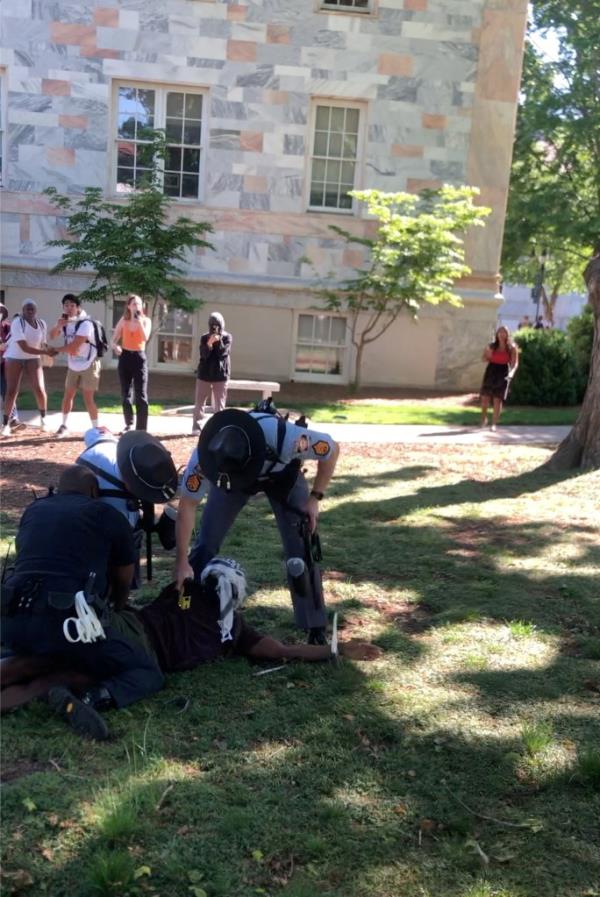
(502, 357)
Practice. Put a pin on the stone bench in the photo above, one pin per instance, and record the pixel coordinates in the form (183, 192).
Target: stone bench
(265, 387)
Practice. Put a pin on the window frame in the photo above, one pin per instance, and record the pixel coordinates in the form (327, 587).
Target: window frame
(329, 6)
(175, 367)
(3, 125)
(343, 103)
(161, 90)
(311, 377)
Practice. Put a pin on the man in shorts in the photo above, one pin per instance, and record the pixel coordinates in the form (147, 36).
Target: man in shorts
(82, 359)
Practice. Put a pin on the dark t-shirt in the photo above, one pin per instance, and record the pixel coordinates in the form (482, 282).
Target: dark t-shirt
(67, 536)
(183, 639)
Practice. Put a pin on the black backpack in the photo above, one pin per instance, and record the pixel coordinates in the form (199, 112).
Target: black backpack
(100, 339)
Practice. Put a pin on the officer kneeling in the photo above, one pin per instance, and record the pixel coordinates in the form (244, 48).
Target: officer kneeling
(242, 453)
(75, 558)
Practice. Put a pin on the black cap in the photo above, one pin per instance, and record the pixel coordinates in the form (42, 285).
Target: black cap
(232, 450)
(147, 467)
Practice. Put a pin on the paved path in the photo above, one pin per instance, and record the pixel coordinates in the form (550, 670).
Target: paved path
(181, 425)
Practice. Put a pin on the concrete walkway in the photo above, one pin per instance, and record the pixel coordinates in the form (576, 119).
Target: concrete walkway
(169, 424)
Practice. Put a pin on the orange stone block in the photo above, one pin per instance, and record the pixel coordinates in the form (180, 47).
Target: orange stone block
(395, 64)
(415, 5)
(407, 150)
(24, 231)
(53, 88)
(415, 185)
(434, 121)
(73, 121)
(254, 183)
(353, 258)
(237, 13)
(241, 51)
(275, 97)
(95, 52)
(251, 141)
(60, 155)
(278, 34)
(64, 33)
(108, 16)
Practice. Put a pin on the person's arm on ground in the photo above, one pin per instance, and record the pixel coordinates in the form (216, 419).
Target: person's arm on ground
(322, 479)
(270, 649)
(184, 525)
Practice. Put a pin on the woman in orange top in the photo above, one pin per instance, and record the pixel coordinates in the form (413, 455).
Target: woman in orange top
(133, 330)
(502, 357)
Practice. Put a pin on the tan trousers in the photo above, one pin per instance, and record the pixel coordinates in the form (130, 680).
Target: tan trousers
(203, 392)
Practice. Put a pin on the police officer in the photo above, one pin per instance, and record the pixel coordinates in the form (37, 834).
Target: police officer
(75, 554)
(242, 453)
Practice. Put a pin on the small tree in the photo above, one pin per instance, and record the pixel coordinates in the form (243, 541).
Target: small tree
(129, 246)
(415, 257)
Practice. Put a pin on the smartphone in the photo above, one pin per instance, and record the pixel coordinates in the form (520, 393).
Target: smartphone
(65, 317)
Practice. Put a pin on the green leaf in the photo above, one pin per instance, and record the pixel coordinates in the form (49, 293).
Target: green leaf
(257, 856)
(142, 871)
(29, 804)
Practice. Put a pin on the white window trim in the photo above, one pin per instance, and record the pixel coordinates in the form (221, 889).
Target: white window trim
(173, 368)
(4, 119)
(321, 6)
(161, 87)
(362, 107)
(344, 377)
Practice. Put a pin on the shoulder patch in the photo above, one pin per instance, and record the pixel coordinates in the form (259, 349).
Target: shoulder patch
(320, 447)
(193, 482)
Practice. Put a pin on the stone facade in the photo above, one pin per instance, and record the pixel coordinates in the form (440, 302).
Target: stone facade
(435, 83)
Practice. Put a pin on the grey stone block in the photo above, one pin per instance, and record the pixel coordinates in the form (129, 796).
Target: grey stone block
(403, 89)
(255, 201)
(293, 145)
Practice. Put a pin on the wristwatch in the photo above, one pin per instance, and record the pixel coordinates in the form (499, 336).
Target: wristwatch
(318, 495)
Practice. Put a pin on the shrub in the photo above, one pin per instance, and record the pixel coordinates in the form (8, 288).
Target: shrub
(548, 373)
(580, 333)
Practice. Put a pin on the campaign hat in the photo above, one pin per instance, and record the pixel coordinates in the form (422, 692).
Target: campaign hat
(232, 450)
(146, 467)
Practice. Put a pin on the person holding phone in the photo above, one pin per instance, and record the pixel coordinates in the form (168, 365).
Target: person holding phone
(133, 331)
(214, 368)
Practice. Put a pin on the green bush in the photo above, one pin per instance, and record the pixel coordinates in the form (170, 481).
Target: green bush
(580, 332)
(548, 373)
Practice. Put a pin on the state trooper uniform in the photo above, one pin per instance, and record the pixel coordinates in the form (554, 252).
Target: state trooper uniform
(243, 453)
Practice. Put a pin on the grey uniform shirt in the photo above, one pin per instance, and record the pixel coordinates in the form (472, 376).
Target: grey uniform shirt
(299, 443)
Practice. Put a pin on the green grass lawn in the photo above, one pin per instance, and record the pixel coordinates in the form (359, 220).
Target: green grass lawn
(462, 763)
(360, 412)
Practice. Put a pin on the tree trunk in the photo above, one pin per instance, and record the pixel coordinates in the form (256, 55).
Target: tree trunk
(357, 367)
(581, 448)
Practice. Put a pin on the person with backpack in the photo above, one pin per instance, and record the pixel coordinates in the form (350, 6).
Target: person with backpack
(133, 331)
(14, 423)
(84, 345)
(26, 345)
(241, 454)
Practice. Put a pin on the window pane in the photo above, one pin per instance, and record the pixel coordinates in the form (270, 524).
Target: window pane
(331, 199)
(345, 200)
(321, 323)
(144, 155)
(320, 143)
(335, 145)
(318, 170)
(352, 120)
(305, 327)
(126, 126)
(175, 105)
(316, 195)
(145, 108)
(333, 173)
(125, 153)
(347, 175)
(191, 160)
(337, 118)
(322, 119)
(124, 178)
(174, 350)
(172, 184)
(173, 159)
(189, 187)
(174, 130)
(338, 331)
(349, 146)
(193, 105)
(191, 133)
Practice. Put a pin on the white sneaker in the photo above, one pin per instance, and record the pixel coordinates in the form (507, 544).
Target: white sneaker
(6, 430)
(62, 431)
(43, 424)
(493, 428)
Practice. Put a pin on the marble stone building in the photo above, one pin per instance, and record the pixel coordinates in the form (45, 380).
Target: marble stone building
(273, 110)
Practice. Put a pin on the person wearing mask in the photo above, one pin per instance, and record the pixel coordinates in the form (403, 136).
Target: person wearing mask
(214, 368)
(82, 359)
(14, 422)
(502, 358)
(27, 344)
(133, 332)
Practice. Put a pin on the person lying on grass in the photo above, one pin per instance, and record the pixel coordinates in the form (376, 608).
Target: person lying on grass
(180, 630)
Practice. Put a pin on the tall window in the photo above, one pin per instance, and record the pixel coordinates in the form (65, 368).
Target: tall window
(321, 345)
(334, 157)
(2, 125)
(141, 110)
(356, 5)
(175, 338)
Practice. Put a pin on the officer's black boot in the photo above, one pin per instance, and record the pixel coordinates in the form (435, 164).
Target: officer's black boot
(80, 714)
(316, 636)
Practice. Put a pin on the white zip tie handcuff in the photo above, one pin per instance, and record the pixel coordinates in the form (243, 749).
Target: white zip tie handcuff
(88, 627)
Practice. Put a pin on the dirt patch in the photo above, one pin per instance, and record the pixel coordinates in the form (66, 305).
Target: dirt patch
(18, 769)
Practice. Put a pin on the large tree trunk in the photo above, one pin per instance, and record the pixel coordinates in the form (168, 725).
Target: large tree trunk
(581, 448)
(358, 367)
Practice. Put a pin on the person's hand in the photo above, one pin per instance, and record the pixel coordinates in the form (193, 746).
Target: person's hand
(51, 351)
(117, 350)
(357, 650)
(183, 571)
(312, 512)
(213, 338)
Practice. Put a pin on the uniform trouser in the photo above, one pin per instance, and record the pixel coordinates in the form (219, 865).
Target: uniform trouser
(133, 376)
(219, 515)
(118, 664)
(203, 393)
